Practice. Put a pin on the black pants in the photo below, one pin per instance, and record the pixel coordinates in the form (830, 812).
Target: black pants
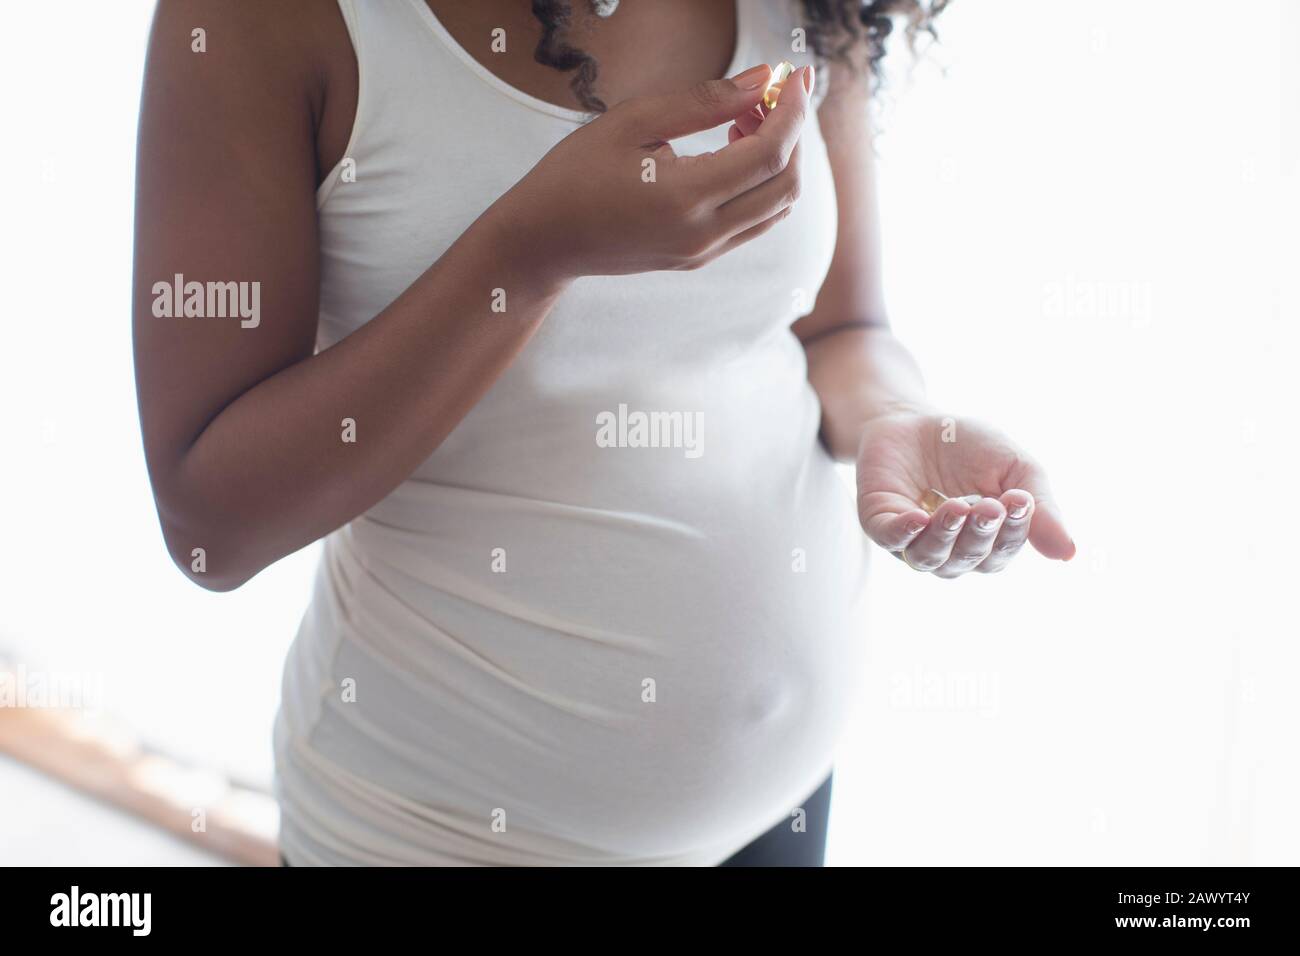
(784, 845)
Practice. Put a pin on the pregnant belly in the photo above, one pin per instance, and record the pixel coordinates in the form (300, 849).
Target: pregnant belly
(626, 686)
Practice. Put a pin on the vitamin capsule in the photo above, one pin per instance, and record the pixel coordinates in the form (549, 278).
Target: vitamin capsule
(779, 76)
(932, 499)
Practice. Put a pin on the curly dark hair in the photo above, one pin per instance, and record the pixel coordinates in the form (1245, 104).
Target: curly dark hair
(845, 31)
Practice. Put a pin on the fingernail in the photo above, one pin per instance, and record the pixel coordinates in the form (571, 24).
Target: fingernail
(752, 78)
(954, 521)
(915, 528)
(1019, 511)
(809, 79)
(984, 522)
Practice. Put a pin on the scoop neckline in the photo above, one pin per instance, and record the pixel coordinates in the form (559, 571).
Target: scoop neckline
(430, 19)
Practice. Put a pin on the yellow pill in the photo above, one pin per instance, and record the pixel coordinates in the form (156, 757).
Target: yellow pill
(931, 501)
(779, 76)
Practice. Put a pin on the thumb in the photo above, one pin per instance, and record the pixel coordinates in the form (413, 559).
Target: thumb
(703, 106)
(1047, 526)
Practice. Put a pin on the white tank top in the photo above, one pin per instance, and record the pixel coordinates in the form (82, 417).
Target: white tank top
(613, 619)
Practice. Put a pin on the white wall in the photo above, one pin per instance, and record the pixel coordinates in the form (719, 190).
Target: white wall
(1091, 241)
(85, 585)
(1091, 237)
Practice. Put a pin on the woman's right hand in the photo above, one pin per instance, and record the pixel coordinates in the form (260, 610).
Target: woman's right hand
(612, 198)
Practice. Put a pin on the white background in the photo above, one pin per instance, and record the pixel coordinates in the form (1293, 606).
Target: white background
(1090, 226)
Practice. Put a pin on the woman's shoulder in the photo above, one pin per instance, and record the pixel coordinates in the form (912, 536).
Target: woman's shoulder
(282, 43)
(294, 56)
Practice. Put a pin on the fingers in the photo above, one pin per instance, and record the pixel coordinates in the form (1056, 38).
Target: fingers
(750, 161)
(749, 216)
(703, 106)
(894, 532)
(931, 549)
(1015, 529)
(976, 540)
(958, 538)
(747, 123)
(763, 201)
(740, 238)
(891, 520)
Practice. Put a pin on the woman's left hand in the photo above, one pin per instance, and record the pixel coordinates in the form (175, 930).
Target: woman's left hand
(905, 453)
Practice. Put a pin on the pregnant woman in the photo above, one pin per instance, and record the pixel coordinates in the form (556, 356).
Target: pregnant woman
(554, 337)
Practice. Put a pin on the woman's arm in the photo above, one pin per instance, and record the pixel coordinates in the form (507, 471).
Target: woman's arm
(857, 366)
(243, 426)
(873, 400)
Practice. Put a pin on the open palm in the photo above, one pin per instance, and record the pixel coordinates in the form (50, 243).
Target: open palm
(903, 455)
